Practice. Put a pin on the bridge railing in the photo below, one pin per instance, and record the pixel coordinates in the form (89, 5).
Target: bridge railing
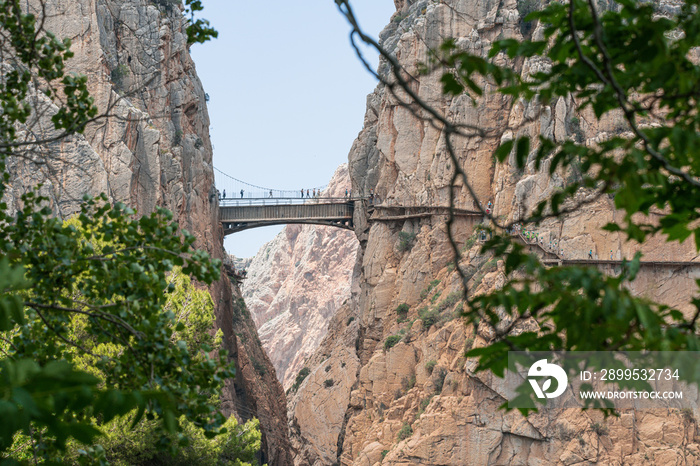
(261, 201)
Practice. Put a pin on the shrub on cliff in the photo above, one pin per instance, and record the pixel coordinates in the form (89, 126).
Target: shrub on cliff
(402, 311)
(391, 341)
(301, 376)
(406, 240)
(525, 7)
(431, 286)
(449, 301)
(429, 316)
(405, 432)
(439, 380)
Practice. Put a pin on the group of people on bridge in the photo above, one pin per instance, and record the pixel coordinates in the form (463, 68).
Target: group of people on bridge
(314, 193)
(270, 195)
(222, 195)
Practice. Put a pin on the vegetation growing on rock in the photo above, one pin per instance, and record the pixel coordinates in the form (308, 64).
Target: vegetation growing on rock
(406, 241)
(405, 432)
(391, 341)
(303, 373)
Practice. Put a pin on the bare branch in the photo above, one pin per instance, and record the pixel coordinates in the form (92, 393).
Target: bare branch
(111, 318)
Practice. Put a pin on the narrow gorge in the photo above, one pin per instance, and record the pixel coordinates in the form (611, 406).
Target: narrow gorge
(349, 346)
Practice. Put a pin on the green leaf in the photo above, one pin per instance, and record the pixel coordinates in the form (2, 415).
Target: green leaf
(503, 150)
(522, 151)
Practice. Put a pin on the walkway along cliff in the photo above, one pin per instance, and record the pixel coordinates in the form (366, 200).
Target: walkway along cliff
(389, 384)
(155, 152)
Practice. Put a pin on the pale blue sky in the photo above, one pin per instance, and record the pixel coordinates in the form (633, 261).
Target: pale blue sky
(287, 93)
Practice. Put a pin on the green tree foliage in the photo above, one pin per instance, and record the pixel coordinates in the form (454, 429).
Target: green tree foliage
(624, 59)
(96, 299)
(126, 445)
(652, 168)
(198, 29)
(100, 326)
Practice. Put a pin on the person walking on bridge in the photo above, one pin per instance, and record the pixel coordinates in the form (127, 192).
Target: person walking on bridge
(590, 253)
(270, 193)
(241, 194)
(307, 193)
(302, 193)
(224, 196)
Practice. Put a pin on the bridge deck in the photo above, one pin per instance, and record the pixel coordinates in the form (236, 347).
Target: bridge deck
(244, 213)
(242, 217)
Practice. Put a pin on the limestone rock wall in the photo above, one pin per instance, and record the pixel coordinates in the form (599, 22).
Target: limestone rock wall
(418, 402)
(296, 283)
(153, 150)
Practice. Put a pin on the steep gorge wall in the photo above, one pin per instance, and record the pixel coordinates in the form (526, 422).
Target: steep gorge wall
(153, 151)
(418, 401)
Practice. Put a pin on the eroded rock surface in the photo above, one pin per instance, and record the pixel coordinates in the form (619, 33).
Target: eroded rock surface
(416, 400)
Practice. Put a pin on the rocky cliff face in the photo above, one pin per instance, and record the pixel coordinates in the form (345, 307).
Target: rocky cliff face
(413, 399)
(154, 150)
(296, 283)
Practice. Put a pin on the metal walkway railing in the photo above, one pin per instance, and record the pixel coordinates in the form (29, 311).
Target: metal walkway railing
(558, 259)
